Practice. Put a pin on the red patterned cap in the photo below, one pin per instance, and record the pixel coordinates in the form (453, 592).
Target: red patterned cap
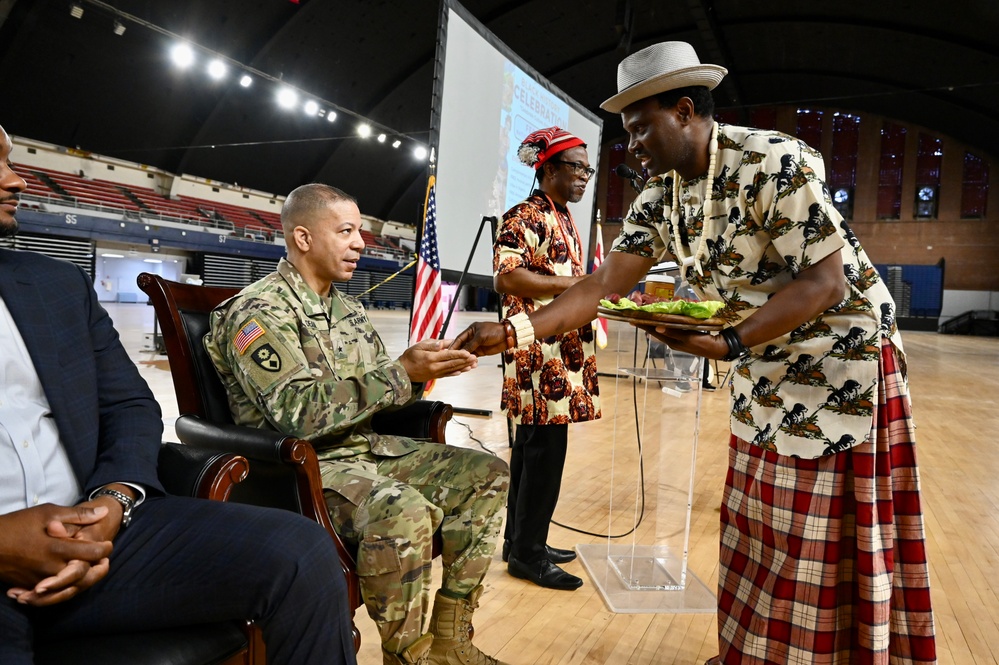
(542, 145)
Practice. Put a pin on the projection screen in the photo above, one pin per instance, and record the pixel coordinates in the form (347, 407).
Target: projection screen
(487, 99)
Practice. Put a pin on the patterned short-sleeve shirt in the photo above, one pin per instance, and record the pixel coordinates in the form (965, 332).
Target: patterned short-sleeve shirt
(810, 392)
(553, 381)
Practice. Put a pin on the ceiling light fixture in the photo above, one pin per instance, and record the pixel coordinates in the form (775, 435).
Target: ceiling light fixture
(182, 56)
(186, 53)
(420, 152)
(75, 10)
(217, 69)
(112, 256)
(287, 98)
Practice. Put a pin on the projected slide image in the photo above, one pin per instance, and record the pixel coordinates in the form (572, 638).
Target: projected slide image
(489, 102)
(527, 107)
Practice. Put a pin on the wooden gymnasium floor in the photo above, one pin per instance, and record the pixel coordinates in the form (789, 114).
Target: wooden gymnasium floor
(954, 382)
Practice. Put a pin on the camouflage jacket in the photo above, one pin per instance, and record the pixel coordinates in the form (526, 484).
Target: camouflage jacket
(810, 392)
(307, 366)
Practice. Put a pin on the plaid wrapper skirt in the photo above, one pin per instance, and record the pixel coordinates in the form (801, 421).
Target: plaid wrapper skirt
(824, 560)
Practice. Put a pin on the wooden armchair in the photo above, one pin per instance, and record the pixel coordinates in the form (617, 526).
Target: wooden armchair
(184, 471)
(284, 470)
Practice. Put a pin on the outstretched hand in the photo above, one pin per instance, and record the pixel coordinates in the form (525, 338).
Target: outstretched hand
(45, 557)
(435, 359)
(694, 342)
(482, 339)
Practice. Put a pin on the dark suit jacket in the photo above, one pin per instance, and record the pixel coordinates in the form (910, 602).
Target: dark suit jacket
(108, 420)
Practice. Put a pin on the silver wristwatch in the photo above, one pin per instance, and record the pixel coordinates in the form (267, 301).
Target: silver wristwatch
(126, 502)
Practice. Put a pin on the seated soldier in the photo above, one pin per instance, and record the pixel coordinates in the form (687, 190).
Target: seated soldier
(89, 542)
(298, 356)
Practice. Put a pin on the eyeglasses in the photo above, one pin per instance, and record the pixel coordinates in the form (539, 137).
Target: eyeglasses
(578, 168)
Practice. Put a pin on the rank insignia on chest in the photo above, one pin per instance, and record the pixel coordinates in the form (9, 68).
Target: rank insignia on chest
(267, 358)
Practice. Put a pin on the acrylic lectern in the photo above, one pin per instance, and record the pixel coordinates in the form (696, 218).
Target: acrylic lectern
(652, 475)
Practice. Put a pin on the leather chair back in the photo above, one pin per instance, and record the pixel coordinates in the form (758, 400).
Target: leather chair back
(182, 311)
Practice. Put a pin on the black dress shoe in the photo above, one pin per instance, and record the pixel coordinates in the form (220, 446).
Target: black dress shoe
(544, 573)
(554, 554)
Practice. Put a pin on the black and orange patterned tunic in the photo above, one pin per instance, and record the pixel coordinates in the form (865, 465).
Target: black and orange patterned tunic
(553, 381)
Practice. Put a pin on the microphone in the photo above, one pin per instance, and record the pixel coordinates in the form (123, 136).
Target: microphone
(629, 174)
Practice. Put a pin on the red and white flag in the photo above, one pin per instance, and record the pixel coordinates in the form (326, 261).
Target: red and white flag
(428, 314)
(600, 325)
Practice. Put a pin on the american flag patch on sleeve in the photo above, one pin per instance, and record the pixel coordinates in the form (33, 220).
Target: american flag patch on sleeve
(246, 335)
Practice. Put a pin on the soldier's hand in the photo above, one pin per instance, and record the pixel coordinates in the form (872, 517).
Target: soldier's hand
(433, 359)
(482, 339)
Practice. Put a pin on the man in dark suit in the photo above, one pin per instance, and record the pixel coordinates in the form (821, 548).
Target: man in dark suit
(89, 542)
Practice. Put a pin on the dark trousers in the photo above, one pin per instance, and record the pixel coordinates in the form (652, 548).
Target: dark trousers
(188, 561)
(536, 464)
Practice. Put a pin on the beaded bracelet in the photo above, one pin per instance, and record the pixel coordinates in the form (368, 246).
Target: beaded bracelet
(523, 331)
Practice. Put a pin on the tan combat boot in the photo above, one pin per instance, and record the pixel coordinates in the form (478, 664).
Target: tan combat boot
(416, 653)
(451, 625)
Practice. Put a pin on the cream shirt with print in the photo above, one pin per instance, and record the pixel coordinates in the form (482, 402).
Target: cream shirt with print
(812, 391)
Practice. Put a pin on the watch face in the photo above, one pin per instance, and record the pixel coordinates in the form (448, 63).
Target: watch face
(926, 193)
(841, 196)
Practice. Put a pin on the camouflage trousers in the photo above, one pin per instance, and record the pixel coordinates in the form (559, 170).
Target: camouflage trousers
(390, 507)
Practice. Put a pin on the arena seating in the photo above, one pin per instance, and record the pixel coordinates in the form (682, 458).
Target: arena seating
(374, 243)
(240, 217)
(73, 189)
(82, 190)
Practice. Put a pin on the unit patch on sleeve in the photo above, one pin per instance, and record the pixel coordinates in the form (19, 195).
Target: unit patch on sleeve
(267, 358)
(250, 331)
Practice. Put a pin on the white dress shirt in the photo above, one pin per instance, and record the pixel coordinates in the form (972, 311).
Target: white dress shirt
(34, 467)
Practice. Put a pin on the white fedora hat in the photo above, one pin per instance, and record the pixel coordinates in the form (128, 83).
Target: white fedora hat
(658, 68)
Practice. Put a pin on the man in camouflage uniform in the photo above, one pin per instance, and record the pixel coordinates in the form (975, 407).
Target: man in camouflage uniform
(300, 357)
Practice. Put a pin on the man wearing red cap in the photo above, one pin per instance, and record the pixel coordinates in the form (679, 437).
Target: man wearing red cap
(553, 381)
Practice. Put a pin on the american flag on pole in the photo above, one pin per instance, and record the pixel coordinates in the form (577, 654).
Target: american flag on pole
(428, 314)
(600, 325)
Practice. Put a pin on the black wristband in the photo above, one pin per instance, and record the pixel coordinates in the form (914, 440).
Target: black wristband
(736, 349)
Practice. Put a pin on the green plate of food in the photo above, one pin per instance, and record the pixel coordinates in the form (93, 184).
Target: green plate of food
(643, 309)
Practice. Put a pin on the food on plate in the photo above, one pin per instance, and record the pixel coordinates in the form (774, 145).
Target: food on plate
(703, 309)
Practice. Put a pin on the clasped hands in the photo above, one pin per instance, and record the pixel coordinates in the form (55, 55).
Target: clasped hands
(50, 553)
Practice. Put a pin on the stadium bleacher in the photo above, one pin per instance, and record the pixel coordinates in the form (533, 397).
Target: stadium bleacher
(82, 190)
(73, 189)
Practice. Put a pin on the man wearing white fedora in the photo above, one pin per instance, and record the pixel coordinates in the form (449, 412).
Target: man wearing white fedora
(822, 554)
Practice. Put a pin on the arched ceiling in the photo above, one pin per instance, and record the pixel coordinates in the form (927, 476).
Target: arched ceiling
(73, 82)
